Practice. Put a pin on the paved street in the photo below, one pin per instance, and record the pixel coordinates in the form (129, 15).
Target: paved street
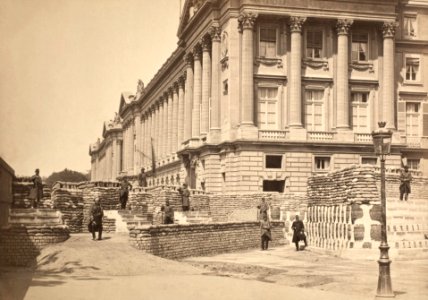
(110, 269)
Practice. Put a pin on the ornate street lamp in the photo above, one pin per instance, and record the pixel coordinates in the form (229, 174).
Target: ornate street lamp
(382, 146)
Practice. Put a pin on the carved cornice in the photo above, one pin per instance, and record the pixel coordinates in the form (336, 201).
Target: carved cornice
(269, 62)
(197, 51)
(388, 29)
(296, 23)
(215, 33)
(315, 63)
(206, 43)
(246, 21)
(343, 26)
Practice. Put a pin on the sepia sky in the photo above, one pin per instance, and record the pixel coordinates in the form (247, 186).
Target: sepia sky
(63, 66)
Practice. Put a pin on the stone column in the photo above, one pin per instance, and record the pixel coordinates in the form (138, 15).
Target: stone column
(388, 100)
(143, 141)
(295, 72)
(174, 128)
(215, 33)
(197, 93)
(181, 121)
(246, 25)
(188, 98)
(131, 148)
(156, 137)
(206, 84)
(161, 127)
(137, 149)
(125, 147)
(148, 138)
(342, 78)
(170, 122)
(119, 160)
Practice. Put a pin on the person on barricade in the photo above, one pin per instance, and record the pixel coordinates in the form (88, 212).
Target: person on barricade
(36, 192)
(298, 232)
(96, 220)
(265, 232)
(168, 213)
(185, 195)
(125, 186)
(263, 209)
(405, 179)
(142, 178)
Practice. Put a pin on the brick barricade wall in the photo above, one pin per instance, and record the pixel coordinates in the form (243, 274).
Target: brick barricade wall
(178, 241)
(20, 245)
(21, 194)
(419, 186)
(69, 201)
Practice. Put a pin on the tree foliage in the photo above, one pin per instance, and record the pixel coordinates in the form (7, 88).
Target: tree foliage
(67, 176)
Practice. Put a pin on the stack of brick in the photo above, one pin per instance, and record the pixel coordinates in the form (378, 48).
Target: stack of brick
(178, 241)
(70, 203)
(20, 245)
(349, 185)
(21, 194)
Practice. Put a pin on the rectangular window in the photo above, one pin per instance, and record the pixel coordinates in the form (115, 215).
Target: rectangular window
(268, 107)
(413, 117)
(360, 42)
(413, 164)
(314, 43)
(372, 161)
(273, 161)
(322, 163)
(412, 68)
(314, 110)
(360, 112)
(267, 43)
(273, 186)
(409, 26)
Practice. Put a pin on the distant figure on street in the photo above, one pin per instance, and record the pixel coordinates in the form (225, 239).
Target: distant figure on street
(265, 227)
(263, 209)
(36, 192)
(142, 178)
(124, 191)
(298, 232)
(185, 195)
(96, 220)
(168, 213)
(405, 179)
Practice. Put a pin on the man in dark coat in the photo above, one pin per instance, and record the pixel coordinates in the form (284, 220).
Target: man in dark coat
(168, 213)
(405, 179)
(263, 209)
(266, 236)
(36, 193)
(96, 219)
(298, 232)
(142, 178)
(125, 186)
(185, 195)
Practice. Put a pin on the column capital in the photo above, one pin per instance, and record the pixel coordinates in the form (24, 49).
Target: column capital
(182, 80)
(197, 51)
(165, 96)
(215, 33)
(188, 59)
(343, 26)
(296, 23)
(246, 21)
(388, 29)
(175, 86)
(171, 90)
(206, 43)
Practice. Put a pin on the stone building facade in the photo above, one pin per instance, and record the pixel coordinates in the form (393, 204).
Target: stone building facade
(261, 94)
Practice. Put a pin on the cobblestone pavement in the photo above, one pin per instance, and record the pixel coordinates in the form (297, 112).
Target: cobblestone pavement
(111, 269)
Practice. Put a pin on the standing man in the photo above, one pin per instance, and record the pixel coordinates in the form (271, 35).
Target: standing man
(96, 219)
(265, 232)
(405, 179)
(185, 195)
(263, 209)
(125, 186)
(298, 232)
(36, 193)
(169, 213)
(142, 178)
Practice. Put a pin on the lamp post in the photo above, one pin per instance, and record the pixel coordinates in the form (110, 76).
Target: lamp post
(382, 147)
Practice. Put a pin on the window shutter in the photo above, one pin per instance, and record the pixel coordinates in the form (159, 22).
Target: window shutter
(401, 116)
(425, 119)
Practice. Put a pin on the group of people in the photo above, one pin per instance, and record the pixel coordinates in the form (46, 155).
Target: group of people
(265, 228)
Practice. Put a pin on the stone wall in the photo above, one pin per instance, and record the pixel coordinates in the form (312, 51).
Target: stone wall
(178, 241)
(20, 245)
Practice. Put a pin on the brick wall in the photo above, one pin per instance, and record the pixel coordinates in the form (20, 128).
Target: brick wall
(178, 241)
(20, 245)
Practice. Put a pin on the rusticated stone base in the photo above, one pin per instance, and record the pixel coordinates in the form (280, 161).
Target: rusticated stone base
(178, 241)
